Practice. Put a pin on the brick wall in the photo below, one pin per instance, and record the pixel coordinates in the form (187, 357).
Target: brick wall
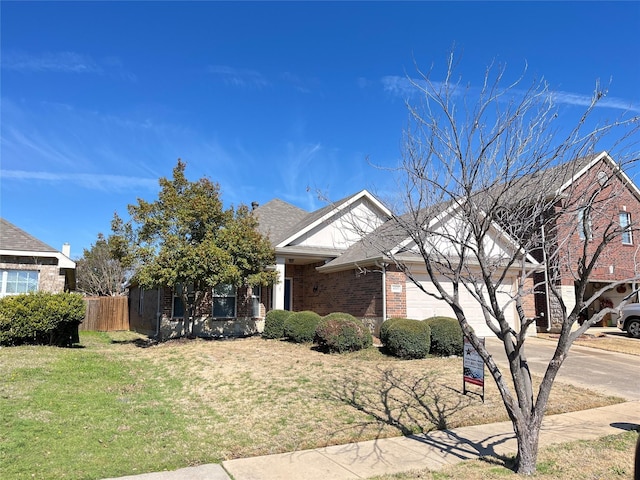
(396, 301)
(353, 292)
(614, 199)
(617, 260)
(49, 279)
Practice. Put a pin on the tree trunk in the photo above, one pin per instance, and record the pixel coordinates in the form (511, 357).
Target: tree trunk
(527, 437)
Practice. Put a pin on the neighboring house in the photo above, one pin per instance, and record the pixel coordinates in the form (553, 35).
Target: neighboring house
(30, 265)
(616, 199)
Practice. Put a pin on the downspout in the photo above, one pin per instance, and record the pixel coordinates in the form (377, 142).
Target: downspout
(546, 279)
(158, 315)
(383, 270)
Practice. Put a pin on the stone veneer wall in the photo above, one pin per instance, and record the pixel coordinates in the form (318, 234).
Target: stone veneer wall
(49, 280)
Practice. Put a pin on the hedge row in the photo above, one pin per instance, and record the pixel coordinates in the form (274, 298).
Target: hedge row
(405, 338)
(41, 318)
(341, 332)
(336, 332)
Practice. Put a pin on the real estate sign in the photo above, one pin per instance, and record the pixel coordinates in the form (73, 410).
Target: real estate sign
(472, 367)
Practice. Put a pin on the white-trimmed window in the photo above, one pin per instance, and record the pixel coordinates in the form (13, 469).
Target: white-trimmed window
(224, 301)
(625, 226)
(256, 293)
(15, 282)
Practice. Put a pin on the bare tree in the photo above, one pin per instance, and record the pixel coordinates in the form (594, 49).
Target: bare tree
(99, 272)
(497, 160)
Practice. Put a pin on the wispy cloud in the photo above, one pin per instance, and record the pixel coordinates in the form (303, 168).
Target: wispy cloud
(89, 181)
(69, 62)
(581, 100)
(64, 62)
(239, 77)
(405, 88)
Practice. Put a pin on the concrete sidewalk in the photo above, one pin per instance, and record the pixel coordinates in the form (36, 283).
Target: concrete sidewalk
(401, 454)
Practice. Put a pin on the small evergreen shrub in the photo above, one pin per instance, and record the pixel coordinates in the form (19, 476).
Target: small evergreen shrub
(408, 339)
(341, 332)
(300, 327)
(384, 328)
(41, 318)
(274, 323)
(446, 336)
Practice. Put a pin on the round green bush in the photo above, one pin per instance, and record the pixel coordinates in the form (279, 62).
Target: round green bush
(408, 339)
(274, 323)
(446, 336)
(341, 332)
(41, 318)
(300, 327)
(384, 328)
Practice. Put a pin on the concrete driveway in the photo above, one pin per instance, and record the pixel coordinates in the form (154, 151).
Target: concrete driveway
(599, 370)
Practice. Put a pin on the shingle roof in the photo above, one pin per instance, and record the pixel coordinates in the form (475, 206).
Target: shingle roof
(279, 220)
(276, 218)
(390, 235)
(14, 238)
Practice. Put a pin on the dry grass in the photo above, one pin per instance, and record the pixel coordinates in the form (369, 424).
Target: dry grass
(612, 342)
(607, 458)
(254, 397)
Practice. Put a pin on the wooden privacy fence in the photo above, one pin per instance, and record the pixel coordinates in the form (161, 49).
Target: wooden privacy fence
(106, 314)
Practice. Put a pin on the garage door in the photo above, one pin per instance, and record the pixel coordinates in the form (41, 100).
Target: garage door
(421, 305)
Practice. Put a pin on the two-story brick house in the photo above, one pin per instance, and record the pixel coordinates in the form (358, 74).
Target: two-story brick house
(595, 198)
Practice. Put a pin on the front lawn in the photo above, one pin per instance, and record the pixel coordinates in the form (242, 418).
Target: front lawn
(116, 407)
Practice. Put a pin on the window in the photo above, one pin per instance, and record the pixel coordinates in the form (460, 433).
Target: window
(224, 301)
(255, 301)
(584, 224)
(18, 281)
(141, 301)
(625, 226)
(177, 306)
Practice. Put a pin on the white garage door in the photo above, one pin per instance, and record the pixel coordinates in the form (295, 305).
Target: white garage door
(421, 306)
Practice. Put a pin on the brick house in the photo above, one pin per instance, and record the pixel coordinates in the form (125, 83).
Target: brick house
(598, 181)
(329, 260)
(29, 265)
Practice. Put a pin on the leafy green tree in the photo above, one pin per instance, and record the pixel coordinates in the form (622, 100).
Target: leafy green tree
(99, 272)
(187, 239)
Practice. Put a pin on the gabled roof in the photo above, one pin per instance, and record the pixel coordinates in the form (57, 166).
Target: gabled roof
(393, 238)
(277, 217)
(581, 166)
(283, 222)
(14, 238)
(555, 180)
(16, 242)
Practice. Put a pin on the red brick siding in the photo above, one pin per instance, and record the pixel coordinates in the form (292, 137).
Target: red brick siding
(609, 203)
(396, 302)
(359, 294)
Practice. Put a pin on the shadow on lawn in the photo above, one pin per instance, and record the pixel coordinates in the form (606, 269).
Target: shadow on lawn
(418, 407)
(412, 406)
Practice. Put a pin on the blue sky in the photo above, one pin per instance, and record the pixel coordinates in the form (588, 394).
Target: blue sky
(270, 100)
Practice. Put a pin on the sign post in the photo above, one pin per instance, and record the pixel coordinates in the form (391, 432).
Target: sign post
(472, 367)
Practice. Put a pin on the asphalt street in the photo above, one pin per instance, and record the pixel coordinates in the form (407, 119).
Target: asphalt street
(599, 370)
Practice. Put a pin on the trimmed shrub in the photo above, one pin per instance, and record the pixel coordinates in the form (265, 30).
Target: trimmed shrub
(341, 332)
(384, 328)
(408, 339)
(274, 323)
(41, 318)
(446, 336)
(300, 327)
